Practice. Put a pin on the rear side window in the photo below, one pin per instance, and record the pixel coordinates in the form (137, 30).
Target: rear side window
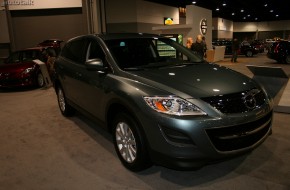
(30, 55)
(75, 50)
(14, 58)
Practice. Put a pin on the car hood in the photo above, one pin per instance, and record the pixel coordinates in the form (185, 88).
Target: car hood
(198, 80)
(15, 68)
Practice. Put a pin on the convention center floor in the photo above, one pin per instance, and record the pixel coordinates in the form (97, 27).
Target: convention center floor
(42, 150)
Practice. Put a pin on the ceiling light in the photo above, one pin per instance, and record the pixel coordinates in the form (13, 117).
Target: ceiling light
(244, 18)
(242, 10)
(248, 15)
(233, 14)
(277, 15)
(266, 5)
(194, 2)
(224, 4)
(217, 9)
(271, 11)
(256, 18)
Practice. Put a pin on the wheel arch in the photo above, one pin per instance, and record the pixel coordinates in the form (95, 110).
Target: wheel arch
(56, 85)
(118, 107)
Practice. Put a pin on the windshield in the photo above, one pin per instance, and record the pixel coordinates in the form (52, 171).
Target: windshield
(140, 53)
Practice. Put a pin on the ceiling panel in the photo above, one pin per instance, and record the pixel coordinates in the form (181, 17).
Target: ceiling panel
(239, 10)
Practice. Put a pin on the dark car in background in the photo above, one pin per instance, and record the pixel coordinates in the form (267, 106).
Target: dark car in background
(258, 45)
(161, 102)
(245, 48)
(21, 69)
(280, 51)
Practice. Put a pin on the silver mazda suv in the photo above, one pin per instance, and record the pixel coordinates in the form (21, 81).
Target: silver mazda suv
(163, 104)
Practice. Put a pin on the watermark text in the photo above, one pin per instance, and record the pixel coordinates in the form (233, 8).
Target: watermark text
(18, 3)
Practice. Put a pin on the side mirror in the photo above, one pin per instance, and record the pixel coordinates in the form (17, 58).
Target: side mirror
(95, 65)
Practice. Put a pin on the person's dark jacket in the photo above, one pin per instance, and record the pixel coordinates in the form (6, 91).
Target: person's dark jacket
(198, 48)
(235, 45)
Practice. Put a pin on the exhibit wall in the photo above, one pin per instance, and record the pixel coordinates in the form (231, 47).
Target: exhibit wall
(45, 24)
(222, 28)
(4, 33)
(263, 30)
(137, 16)
(29, 22)
(194, 16)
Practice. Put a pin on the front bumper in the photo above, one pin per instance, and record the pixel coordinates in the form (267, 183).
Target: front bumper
(187, 142)
(17, 82)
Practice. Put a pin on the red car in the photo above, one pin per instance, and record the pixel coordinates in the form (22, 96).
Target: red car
(21, 68)
(55, 43)
(259, 46)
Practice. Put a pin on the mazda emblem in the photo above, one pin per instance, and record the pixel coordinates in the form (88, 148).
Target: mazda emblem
(250, 100)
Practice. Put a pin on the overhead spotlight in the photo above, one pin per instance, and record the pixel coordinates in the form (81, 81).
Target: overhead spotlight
(244, 18)
(217, 9)
(224, 4)
(248, 15)
(256, 18)
(194, 2)
(277, 15)
(233, 14)
(242, 10)
(266, 5)
(271, 10)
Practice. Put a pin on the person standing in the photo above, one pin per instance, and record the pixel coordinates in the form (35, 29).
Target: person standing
(235, 50)
(189, 42)
(204, 46)
(198, 47)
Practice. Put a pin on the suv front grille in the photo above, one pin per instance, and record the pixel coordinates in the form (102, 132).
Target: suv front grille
(240, 136)
(237, 102)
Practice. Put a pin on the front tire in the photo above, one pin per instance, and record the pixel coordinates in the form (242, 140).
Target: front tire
(130, 143)
(249, 53)
(64, 107)
(287, 59)
(40, 80)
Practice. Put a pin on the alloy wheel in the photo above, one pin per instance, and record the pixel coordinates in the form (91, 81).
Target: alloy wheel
(40, 80)
(249, 54)
(126, 142)
(61, 100)
(287, 60)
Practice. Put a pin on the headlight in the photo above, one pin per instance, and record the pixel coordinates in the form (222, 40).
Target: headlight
(173, 105)
(28, 70)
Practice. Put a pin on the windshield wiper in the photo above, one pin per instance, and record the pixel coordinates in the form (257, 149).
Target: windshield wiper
(160, 65)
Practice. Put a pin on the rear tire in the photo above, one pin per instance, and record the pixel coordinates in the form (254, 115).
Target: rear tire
(64, 107)
(129, 143)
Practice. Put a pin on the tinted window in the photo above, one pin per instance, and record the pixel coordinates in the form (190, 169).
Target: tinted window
(149, 52)
(14, 58)
(30, 55)
(75, 50)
